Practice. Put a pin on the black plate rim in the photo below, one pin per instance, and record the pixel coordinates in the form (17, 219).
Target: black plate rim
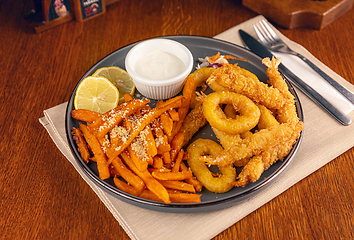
(177, 207)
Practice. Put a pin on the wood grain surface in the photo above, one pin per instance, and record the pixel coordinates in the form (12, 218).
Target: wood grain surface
(43, 197)
(290, 14)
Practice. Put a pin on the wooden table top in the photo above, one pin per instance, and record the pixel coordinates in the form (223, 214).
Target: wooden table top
(42, 196)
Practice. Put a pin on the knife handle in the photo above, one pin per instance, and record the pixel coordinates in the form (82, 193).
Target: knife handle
(315, 96)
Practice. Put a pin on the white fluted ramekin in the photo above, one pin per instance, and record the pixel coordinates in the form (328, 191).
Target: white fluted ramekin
(159, 89)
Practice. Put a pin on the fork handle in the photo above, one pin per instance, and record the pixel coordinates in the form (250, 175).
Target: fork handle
(315, 96)
(341, 89)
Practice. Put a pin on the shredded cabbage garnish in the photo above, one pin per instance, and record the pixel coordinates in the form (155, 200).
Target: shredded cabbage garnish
(208, 62)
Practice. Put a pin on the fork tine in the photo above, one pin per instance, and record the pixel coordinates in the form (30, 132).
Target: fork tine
(265, 32)
(259, 33)
(270, 30)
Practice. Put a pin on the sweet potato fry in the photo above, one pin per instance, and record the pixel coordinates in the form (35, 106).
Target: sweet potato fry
(128, 175)
(123, 186)
(193, 180)
(163, 169)
(167, 123)
(81, 144)
(188, 91)
(167, 159)
(105, 123)
(147, 119)
(176, 144)
(146, 134)
(100, 120)
(178, 197)
(113, 171)
(158, 162)
(163, 148)
(161, 140)
(140, 162)
(179, 185)
(104, 142)
(165, 120)
(102, 164)
(185, 197)
(169, 190)
(127, 97)
(178, 161)
(128, 123)
(117, 136)
(149, 142)
(150, 182)
(84, 115)
(173, 114)
(172, 175)
(148, 194)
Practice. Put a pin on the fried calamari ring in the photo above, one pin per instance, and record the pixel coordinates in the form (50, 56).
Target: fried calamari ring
(200, 76)
(249, 112)
(216, 87)
(219, 183)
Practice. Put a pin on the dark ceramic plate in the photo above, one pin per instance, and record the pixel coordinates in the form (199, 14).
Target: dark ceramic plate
(200, 48)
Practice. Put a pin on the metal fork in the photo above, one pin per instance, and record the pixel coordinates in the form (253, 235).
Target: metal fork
(272, 41)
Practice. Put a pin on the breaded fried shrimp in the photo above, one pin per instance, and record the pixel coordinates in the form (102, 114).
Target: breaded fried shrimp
(243, 82)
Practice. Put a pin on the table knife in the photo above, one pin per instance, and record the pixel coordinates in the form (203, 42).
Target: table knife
(257, 48)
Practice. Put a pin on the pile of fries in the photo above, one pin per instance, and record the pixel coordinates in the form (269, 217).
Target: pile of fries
(141, 147)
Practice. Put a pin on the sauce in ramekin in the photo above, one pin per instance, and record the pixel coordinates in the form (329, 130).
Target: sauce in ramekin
(159, 65)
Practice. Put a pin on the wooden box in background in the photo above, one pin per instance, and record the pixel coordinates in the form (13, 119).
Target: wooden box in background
(290, 14)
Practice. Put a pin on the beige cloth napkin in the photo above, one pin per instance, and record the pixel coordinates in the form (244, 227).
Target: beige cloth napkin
(324, 139)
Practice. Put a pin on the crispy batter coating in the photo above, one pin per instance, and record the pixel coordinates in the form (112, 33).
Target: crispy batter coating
(286, 113)
(259, 163)
(266, 119)
(200, 77)
(275, 138)
(255, 144)
(193, 122)
(246, 83)
(246, 119)
(218, 183)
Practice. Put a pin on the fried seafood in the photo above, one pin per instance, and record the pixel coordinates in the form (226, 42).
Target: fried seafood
(278, 128)
(287, 113)
(259, 163)
(246, 120)
(226, 140)
(266, 119)
(255, 144)
(246, 83)
(216, 87)
(218, 183)
(193, 122)
(200, 77)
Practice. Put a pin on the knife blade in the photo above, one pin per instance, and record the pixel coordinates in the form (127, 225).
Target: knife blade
(257, 48)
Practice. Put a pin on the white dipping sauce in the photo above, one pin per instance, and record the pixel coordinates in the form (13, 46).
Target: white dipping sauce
(159, 65)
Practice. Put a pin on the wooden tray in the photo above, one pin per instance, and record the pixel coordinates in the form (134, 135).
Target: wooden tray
(300, 13)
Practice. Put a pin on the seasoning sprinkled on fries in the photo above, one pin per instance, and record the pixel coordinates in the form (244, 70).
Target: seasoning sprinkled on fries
(141, 147)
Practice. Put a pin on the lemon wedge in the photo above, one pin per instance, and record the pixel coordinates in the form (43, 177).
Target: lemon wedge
(120, 78)
(96, 94)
